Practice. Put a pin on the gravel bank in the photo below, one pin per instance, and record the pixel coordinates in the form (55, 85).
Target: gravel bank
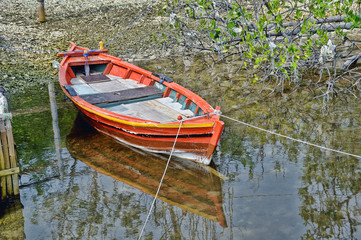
(83, 22)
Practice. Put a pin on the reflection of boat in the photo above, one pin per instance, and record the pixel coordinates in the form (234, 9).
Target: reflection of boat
(190, 186)
(138, 107)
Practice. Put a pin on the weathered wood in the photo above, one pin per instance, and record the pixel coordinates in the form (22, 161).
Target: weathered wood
(10, 171)
(95, 78)
(12, 155)
(41, 10)
(56, 130)
(8, 164)
(162, 110)
(312, 20)
(5, 149)
(2, 179)
(2, 159)
(123, 95)
(326, 27)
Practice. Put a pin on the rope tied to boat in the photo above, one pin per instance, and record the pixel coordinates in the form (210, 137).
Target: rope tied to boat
(291, 138)
(161, 180)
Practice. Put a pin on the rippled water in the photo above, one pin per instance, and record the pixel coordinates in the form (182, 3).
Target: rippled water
(259, 187)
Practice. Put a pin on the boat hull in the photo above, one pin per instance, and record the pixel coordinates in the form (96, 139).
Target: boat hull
(195, 144)
(192, 138)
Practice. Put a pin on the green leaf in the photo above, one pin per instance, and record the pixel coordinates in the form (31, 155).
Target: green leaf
(154, 38)
(231, 25)
(247, 54)
(283, 58)
(213, 23)
(211, 34)
(255, 79)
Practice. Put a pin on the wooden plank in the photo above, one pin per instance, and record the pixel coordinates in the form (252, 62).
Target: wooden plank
(12, 155)
(129, 83)
(10, 171)
(110, 86)
(2, 179)
(5, 149)
(114, 84)
(95, 78)
(113, 77)
(168, 107)
(82, 89)
(162, 110)
(70, 90)
(76, 81)
(81, 53)
(141, 111)
(123, 95)
(137, 100)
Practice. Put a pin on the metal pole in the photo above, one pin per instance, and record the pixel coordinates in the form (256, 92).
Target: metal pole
(41, 11)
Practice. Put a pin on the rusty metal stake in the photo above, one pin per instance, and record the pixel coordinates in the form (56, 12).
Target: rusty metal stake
(41, 11)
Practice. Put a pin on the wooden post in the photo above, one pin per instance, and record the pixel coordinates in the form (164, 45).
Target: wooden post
(12, 155)
(9, 181)
(56, 130)
(4, 143)
(2, 179)
(41, 11)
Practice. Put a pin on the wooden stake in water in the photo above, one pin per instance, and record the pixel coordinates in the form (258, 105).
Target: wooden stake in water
(2, 179)
(56, 130)
(9, 181)
(5, 149)
(12, 155)
(41, 11)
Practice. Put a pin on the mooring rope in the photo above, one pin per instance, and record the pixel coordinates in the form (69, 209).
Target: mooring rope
(291, 138)
(161, 180)
(140, 15)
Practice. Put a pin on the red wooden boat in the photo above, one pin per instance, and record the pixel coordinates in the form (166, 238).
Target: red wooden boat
(138, 107)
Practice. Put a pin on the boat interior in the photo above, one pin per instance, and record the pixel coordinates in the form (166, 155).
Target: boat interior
(128, 97)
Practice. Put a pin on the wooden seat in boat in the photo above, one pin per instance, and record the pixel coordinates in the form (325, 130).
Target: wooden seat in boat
(95, 78)
(162, 110)
(123, 96)
(107, 83)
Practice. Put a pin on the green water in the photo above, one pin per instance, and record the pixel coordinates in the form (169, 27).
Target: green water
(268, 187)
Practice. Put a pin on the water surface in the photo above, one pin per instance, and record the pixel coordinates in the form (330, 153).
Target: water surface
(259, 186)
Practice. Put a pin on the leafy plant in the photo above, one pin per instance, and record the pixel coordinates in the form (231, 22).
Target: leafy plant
(278, 40)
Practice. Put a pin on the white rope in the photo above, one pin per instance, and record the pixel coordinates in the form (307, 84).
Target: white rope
(291, 138)
(161, 181)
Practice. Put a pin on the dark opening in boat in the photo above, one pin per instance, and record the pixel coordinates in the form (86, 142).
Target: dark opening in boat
(94, 68)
